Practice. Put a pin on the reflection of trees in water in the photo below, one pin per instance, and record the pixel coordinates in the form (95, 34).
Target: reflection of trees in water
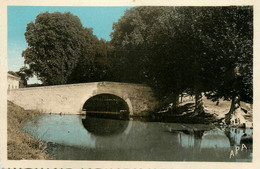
(190, 138)
(210, 144)
(185, 138)
(104, 127)
(231, 140)
(215, 138)
(238, 136)
(205, 145)
(198, 134)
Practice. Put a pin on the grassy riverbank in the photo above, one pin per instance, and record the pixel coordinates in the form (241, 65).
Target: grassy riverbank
(21, 145)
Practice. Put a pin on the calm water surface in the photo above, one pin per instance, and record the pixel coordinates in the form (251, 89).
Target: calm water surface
(75, 137)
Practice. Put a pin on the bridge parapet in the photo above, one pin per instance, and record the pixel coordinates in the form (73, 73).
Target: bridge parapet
(69, 99)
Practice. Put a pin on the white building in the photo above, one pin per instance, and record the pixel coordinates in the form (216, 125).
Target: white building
(12, 81)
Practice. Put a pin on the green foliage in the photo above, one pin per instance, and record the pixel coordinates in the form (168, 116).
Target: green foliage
(24, 73)
(96, 66)
(130, 41)
(55, 42)
(60, 50)
(231, 45)
(194, 49)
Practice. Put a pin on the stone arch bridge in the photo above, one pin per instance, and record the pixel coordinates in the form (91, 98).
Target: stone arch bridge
(69, 99)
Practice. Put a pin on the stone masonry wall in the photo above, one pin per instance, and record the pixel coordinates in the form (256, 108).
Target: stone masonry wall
(69, 99)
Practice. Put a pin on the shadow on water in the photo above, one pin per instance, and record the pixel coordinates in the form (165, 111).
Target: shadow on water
(104, 106)
(104, 127)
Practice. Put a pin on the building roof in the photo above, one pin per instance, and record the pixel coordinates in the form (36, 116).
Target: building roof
(12, 76)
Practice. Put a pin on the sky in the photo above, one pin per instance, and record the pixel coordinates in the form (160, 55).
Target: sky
(100, 19)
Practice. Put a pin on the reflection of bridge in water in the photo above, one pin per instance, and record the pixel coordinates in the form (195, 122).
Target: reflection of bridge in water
(104, 127)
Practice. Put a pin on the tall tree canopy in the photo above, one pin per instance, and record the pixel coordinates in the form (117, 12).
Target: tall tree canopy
(204, 46)
(55, 42)
(195, 49)
(96, 66)
(130, 41)
(233, 50)
(159, 45)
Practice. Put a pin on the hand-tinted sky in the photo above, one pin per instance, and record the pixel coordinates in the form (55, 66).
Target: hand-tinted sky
(100, 19)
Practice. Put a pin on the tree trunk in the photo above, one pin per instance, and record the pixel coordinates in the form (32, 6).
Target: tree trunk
(231, 140)
(217, 102)
(177, 101)
(199, 105)
(235, 115)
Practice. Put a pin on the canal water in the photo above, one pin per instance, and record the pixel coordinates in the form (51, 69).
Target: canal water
(76, 137)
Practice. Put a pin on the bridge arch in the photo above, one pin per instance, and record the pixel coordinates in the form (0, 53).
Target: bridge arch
(69, 99)
(108, 102)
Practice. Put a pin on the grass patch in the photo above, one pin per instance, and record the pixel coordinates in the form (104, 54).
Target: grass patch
(21, 145)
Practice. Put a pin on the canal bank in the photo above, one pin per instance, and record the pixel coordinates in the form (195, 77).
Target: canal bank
(21, 145)
(214, 113)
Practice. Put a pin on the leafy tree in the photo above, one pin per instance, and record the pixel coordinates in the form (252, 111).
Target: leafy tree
(177, 49)
(159, 47)
(130, 42)
(55, 42)
(233, 48)
(96, 66)
(213, 51)
(188, 49)
(25, 74)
